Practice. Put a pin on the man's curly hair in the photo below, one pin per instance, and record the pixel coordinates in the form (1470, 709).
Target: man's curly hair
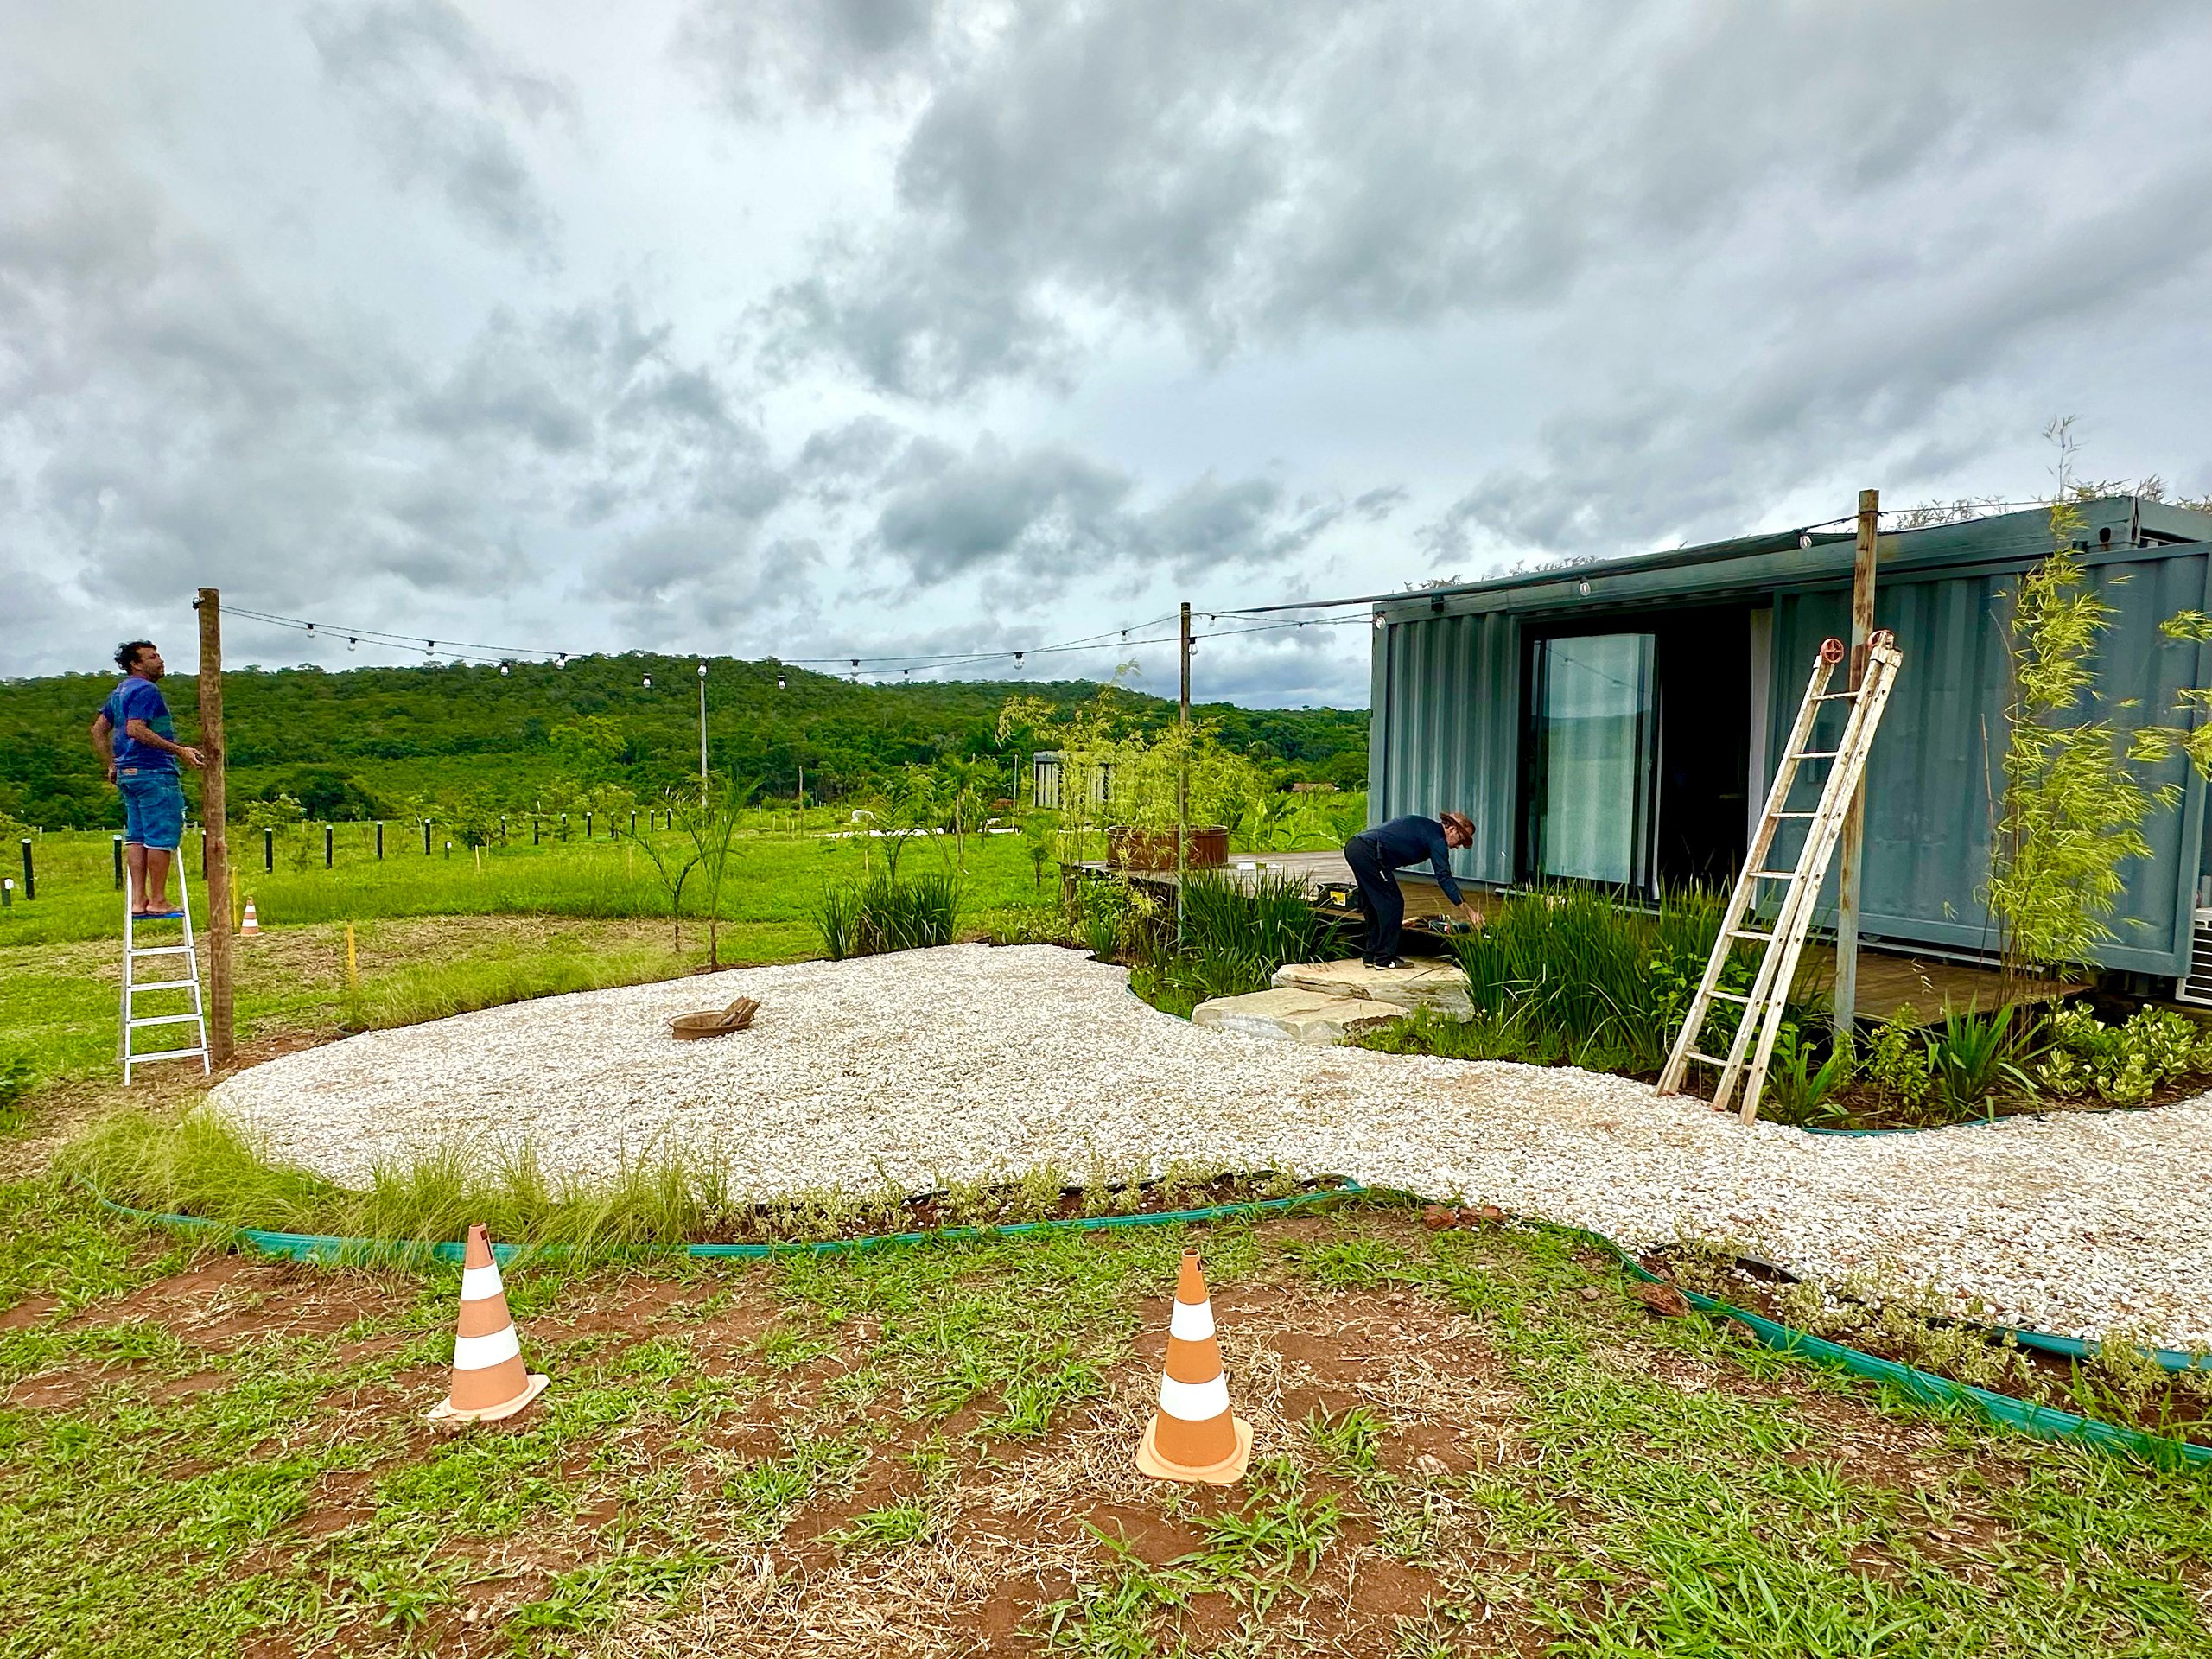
(126, 654)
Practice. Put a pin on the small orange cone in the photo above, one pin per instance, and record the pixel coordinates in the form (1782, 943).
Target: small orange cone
(250, 925)
(489, 1379)
(1192, 1436)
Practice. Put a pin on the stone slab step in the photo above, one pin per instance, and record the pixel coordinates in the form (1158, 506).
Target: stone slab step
(1437, 986)
(1295, 1016)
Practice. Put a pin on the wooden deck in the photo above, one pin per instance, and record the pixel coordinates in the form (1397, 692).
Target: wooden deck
(1888, 980)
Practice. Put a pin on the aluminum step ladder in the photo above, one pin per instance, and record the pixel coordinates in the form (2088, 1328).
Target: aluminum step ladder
(133, 986)
(1784, 939)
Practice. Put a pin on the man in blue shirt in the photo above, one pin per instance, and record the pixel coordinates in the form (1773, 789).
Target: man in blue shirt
(136, 738)
(1377, 856)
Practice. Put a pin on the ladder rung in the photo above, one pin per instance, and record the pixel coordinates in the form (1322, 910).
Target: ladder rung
(1748, 933)
(1774, 875)
(1710, 1059)
(1796, 815)
(168, 1054)
(165, 985)
(1816, 754)
(167, 1019)
(1837, 696)
(162, 950)
(1733, 996)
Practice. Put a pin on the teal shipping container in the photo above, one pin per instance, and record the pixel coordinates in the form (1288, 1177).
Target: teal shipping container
(1618, 722)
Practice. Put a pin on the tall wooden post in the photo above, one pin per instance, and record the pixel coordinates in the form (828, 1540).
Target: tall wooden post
(1183, 777)
(1855, 820)
(214, 811)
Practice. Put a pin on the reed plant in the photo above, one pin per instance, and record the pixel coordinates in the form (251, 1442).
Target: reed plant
(883, 913)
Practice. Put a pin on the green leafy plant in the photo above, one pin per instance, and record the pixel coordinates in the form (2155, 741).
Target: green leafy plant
(2077, 785)
(1978, 1056)
(1801, 1086)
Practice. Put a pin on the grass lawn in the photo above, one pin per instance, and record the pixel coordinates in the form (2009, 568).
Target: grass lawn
(437, 936)
(1465, 1443)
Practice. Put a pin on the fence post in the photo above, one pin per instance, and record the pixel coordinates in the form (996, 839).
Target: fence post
(379, 841)
(503, 829)
(587, 826)
(30, 880)
(426, 838)
(268, 850)
(537, 830)
(119, 863)
(329, 849)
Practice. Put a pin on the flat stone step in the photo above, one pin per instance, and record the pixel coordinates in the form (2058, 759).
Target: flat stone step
(1439, 986)
(1295, 1016)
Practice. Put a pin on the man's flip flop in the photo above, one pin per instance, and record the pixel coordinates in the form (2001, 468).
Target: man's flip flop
(156, 915)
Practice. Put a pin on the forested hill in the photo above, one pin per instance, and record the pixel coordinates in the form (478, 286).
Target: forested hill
(362, 742)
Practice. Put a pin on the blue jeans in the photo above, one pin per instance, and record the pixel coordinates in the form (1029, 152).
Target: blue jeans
(153, 807)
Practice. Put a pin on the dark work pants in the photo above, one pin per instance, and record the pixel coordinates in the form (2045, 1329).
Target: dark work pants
(1380, 901)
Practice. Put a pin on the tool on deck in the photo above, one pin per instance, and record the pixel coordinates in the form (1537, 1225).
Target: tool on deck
(1784, 939)
(133, 987)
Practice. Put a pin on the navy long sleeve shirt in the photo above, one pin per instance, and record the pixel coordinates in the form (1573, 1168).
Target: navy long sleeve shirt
(1412, 839)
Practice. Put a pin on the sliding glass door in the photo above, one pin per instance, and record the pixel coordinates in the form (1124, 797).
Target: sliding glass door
(1595, 741)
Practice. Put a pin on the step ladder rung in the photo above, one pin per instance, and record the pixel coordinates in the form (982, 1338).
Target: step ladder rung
(1796, 815)
(1817, 755)
(1710, 1059)
(1748, 933)
(1837, 696)
(1733, 996)
(1774, 875)
(164, 985)
(161, 950)
(168, 1054)
(166, 1020)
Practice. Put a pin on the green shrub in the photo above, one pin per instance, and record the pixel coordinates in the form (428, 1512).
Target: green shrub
(1603, 986)
(1801, 1087)
(1235, 936)
(1979, 1056)
(880, 913)
(2123, 1065)
(1898, 1063)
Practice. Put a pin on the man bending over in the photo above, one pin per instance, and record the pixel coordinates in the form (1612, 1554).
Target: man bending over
(1377, 856)
(135, 738)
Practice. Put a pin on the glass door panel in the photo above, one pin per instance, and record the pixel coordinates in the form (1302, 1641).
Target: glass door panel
(1596, 733)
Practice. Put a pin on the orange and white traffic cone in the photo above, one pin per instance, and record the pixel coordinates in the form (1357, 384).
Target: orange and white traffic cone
(1192, 1436)
(250, 925)
(489, 1379)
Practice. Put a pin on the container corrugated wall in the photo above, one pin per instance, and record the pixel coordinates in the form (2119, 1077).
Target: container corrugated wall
(1936, 779)
(1447, 725)
(1447, 733)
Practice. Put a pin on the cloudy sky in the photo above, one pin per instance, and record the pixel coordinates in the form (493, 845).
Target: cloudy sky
(838, 327)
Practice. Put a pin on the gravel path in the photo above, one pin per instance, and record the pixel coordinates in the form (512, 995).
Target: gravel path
(970, 1061)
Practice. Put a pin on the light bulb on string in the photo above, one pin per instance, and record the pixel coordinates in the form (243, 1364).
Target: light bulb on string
(562, 661)
(502, 670)
(353, 642)
(649, 681)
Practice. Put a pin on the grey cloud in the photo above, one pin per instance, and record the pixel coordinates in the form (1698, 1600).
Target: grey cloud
(1047, 505)
(1056, 516)
(1255, 172)
(821, 52)
(681, 575)
(436, 98)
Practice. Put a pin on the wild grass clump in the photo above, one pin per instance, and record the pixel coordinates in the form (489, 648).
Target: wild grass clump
(1586, 981)
(1232, 938)
(199, 1164)
(883, 912)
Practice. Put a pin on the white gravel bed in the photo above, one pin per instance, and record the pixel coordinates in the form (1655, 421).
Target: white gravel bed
(970, 1062)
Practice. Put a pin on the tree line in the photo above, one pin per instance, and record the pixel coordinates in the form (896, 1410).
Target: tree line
(378, 742)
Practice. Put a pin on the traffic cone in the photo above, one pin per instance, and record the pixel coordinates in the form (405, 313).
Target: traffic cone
(1192, 1436)
(250, 925)
(489, 1379)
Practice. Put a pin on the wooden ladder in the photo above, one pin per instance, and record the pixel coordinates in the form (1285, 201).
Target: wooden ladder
(185, 978)
(1782, 943)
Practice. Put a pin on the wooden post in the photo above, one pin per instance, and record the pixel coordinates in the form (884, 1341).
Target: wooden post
(1183, 777)
(214, 810)
(1854, 820)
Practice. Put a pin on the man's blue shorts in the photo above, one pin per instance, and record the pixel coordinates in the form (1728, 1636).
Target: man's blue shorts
(153, 807)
